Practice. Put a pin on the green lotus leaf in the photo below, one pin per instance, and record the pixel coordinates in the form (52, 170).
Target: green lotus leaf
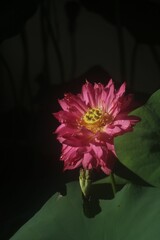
(140, 150)
(132, 214)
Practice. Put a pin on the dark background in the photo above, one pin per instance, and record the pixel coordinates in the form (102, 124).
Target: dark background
(48, 48)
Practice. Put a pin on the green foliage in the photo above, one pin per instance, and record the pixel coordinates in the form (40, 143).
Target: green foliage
(132, 214)
(140, 150)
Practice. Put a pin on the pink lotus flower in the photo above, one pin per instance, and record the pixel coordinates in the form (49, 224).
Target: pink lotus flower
(89, 123)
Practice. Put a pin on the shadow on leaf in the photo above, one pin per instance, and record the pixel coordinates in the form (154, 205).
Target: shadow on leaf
(91, 204)
(124, 172)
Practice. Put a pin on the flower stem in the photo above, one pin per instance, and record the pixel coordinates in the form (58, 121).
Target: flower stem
(85, 181)
(113, 183)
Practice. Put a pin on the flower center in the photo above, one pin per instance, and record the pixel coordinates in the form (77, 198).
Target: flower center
(95, 119)
(93, 115)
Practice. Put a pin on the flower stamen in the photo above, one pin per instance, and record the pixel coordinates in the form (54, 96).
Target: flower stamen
(95, 119)
(93, 115)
